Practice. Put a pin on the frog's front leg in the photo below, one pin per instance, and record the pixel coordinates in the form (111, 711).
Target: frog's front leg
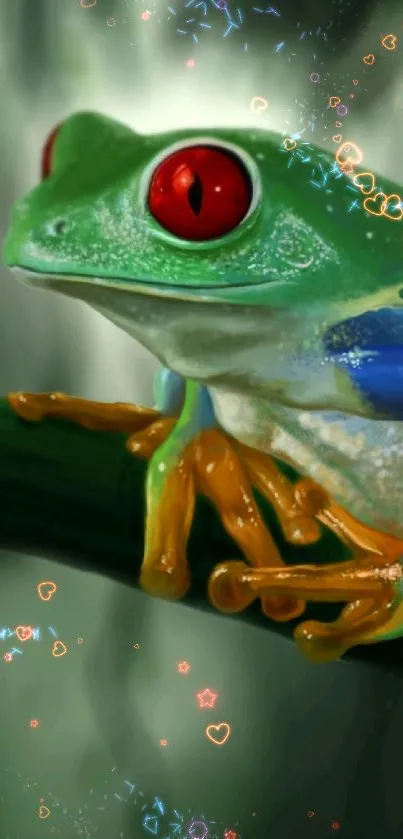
(188, 455)
(199, 456)
(100, 416)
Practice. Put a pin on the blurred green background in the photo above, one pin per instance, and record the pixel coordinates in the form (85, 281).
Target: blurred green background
(313, 750)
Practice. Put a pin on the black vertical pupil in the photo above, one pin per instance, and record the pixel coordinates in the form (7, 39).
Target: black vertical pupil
(195, 194)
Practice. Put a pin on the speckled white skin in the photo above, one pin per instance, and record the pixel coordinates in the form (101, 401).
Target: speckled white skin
(257, 382)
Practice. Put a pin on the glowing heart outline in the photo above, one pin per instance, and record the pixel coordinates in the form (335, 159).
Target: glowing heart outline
(258, 104)
(389, 42)
(387, 202)
(363, 189)
(374, 201)
(23, 633)
(344, 151)
(47, 594)
(289, 144)
(216, 727)
(59, 645)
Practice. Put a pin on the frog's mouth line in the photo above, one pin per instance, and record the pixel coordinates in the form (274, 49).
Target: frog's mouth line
(270, 295)
(201, 294)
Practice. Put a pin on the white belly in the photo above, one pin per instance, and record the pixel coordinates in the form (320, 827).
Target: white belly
(358, 461)
(278, 356)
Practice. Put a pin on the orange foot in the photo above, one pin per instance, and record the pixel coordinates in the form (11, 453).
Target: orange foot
(369, 583)
(223, 471)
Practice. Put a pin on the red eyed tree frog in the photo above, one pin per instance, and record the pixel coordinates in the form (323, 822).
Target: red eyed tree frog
(272, 303)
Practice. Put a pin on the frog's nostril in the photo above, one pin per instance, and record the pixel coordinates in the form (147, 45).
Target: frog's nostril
(58, 227)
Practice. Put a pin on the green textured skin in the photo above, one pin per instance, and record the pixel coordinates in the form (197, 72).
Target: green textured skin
(299, 244)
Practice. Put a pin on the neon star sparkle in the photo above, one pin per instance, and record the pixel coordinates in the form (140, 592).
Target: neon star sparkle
(207, 698)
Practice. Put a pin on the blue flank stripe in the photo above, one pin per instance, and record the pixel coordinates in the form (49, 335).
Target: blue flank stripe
(378, 376)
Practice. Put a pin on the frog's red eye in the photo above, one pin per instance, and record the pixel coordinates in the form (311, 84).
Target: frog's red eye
(200, 193)
(47, 153)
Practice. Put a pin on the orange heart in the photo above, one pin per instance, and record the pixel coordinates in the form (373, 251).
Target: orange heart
(337, 138)
(59, 649)
(349, 153)
(369, 59)
(289, 144)
(366, 186)
(377, 202)
(46, 589)
(392, 207)
(218, 740)
(43, 812)
(23, 633)
(389, 42)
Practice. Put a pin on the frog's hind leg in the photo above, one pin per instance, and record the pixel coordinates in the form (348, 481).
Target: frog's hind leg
(297, 521)
(360, 538)
(370, 593)
(368, 583)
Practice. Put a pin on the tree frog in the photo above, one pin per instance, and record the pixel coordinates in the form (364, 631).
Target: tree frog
(247, 265)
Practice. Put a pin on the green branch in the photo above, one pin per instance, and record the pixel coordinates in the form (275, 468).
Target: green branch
(77, 496)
